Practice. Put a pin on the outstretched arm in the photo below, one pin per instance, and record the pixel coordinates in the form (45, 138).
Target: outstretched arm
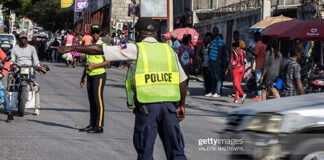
(91, 50)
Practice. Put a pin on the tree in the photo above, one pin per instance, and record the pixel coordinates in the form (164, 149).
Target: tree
(46, 13)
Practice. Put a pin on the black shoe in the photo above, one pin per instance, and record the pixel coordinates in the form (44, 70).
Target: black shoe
(86, 129)
(10, 118)
(73, 65)
(96, 130)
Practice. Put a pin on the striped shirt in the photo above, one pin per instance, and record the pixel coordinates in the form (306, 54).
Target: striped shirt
(216, 43)
(291, 72)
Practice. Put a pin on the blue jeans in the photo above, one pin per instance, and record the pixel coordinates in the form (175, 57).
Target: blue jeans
(258, 73)
(54, 55)
(216, 77)
(6, 103)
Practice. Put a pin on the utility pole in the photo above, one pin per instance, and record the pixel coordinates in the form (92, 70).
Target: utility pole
(12, 19)
(266, 9)
(171, 18)
(1, 19)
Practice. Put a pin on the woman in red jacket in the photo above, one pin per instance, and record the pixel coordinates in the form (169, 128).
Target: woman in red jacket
(238, 69)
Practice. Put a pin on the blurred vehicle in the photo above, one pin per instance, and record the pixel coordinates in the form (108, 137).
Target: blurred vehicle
(43, 35)
(286, 128)
(8, 37)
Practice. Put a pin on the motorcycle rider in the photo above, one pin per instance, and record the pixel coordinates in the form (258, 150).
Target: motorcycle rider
(6, 102)
(25, 54)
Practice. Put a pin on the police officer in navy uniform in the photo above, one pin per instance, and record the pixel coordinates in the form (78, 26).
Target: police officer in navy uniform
(96, 80)
(156, 89)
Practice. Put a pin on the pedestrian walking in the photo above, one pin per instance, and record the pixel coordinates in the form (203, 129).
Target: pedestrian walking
(68, 41)
(118, 42)
(238, 70)
(96, 80)
(205, 65)
(125, 40)
(224, 62)
(76, 55)
(175, 43)
(290, 73)
(87, 39)
(54, 52)
(259, 53)
(271, 69)
(184, 53)
(236, 37)
(154, 91)
(215, 63)
(48, 49)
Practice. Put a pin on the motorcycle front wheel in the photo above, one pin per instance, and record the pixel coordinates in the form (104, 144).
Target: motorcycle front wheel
(23, 100)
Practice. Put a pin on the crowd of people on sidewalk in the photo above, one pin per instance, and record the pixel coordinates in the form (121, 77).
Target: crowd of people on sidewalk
(215, 60)
(273, 74)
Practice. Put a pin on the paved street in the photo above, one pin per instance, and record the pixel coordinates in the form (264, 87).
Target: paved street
(64, 109)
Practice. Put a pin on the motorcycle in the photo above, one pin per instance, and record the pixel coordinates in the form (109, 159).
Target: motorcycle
(21, 82)
(23, 85)
(313, 78)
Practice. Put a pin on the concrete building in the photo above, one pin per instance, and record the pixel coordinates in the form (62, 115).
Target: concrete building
(240, 15)
(99, 14)
(111, 15)
(120, 18)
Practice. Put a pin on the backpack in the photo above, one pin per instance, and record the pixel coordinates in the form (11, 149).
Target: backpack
(185, 59)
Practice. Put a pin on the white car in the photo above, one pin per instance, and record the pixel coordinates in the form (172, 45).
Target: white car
(8, 37)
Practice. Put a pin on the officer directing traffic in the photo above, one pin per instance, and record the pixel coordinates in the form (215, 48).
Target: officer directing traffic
(155, 83)
(96, 80)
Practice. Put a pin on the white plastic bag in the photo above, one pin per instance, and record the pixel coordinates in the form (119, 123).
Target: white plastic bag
(13, 98)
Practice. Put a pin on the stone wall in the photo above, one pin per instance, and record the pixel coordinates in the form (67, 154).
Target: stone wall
(119, 12)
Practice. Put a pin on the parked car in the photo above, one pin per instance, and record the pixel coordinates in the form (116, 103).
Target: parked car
(8, 37)
(285, 128)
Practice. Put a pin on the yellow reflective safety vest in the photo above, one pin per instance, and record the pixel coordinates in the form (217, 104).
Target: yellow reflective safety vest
(156, 77)
(96, 59)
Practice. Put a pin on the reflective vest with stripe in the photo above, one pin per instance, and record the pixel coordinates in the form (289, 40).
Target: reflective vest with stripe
(96, 59)
(156, 77)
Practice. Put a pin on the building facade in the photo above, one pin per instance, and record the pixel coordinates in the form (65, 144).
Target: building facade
(239, 15)
(111, 15)
(99, 14)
